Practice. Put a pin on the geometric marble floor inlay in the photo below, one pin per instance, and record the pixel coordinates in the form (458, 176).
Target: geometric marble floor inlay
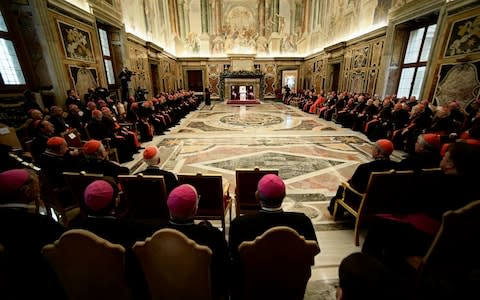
(253, 120)
(289, 165)
(313, 157)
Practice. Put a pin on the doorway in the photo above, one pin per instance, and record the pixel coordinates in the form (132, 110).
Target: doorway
(289, 78)
(335, 76)
(155, 81)
(195, 80)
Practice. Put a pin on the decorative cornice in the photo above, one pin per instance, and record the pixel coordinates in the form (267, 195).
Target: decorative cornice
(153, 47)
(237, 56)
(107, 14)
(135, 39)
(242, 74)
(455, 7)
(71, 11)
(316, 55)
(223, 60)
(382, 31)
(336, 47)
(412, 10)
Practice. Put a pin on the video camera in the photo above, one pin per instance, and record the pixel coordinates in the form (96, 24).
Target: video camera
(126, 74)
(101, 92)
(130, 74)
(140, 94)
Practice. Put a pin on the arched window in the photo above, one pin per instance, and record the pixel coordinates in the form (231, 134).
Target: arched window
(415, 61)
(10, 70)
(107, 56)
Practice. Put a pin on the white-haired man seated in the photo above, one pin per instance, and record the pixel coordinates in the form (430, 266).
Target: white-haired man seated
(151, 156)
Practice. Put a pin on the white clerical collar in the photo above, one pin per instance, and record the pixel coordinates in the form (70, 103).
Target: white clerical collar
(271, 209)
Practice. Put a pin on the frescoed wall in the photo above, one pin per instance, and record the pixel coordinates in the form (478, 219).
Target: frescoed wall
(189, 28)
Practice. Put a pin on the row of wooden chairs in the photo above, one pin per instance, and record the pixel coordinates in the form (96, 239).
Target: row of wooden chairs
(176, 267)
(145, 195)
(388, 192)
(92, 268)
(452, 263)
(452, 258)
(383, 188)
(74, 141)
(399, 192)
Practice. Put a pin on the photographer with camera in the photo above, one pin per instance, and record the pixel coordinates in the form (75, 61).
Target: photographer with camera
(125, 76)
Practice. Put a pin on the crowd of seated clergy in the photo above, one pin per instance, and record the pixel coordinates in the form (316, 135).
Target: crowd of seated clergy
(101, 117)
(390, 237)
(19, 188)
(23, 231)
(401, 120)
(427, 155)
(381, 270)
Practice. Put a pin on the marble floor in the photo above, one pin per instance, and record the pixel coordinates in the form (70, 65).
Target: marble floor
(312, 155)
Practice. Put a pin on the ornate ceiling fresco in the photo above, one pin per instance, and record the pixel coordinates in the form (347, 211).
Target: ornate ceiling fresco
(258, 27)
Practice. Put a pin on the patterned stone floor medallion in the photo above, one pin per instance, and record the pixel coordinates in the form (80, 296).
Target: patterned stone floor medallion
(252, 119)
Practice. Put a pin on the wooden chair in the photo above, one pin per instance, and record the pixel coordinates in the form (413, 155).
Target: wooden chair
(112, 153)
(145, 196)
(88, 266)
(214, 200)
(386, 192)
(454, 253)
(8, 136)
(175, 267)
(245, 188)
(433, 199)
(27, 146)
(73, 139)
(277, 264)
(78, 182)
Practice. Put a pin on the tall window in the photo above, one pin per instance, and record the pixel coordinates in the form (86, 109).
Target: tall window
(10, 69)
(415, 61)
(107, 58)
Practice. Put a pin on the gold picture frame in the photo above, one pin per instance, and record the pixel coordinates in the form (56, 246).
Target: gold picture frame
(83, 78)
(458, 81)
(76, 42)
(462, 38)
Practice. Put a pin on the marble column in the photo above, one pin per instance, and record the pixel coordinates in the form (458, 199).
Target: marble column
(218, 17)
(275, 13)
(306, 17)
(181, 18)
(315, 13)
(261, 17)
(179, 43)
(204, 15)
(186, 10)
(303, 41)
(173, 16)
(275, 38)
(55, 66)
(298, 18)
(204, 39)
